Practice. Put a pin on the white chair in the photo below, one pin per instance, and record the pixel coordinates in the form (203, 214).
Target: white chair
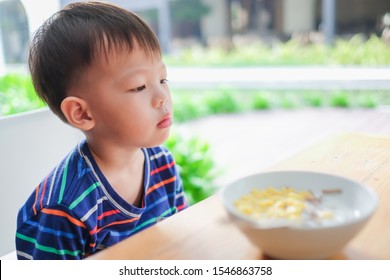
(9, 256)
(31, 144)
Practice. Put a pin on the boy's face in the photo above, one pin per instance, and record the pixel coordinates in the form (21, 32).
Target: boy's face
(129, 99)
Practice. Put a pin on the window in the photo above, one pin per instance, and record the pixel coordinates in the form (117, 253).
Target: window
(14, 32)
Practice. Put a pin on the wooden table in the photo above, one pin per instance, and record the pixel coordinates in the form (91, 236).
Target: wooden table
(204, 231)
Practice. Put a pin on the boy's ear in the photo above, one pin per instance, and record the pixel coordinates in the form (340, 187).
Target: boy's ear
(77, 112)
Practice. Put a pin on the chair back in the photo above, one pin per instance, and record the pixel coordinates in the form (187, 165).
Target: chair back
(31, 144)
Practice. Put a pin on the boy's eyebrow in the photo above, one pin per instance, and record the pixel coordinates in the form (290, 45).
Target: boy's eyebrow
(131, 72)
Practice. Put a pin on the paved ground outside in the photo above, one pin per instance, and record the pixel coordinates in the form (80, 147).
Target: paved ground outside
(250, 142)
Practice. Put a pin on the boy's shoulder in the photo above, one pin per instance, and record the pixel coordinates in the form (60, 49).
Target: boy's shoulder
(68, 180)
(158, 152)
(159, 156)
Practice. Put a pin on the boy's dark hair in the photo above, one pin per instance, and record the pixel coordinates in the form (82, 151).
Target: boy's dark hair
(71, 40)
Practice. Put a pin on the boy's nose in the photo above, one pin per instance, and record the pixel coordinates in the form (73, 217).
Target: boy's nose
(161, 97)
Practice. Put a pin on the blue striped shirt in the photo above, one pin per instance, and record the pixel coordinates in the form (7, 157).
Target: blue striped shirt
(75, 212)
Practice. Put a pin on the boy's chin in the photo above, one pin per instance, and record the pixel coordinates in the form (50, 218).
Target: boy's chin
(160, 141)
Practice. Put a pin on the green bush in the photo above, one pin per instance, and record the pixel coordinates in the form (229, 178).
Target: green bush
(313, 99)
(261, 101)
(290, 100)
(340, 99)
(196, 166)
(222, 101)
(17, 95)
(368, 100)
(355, 51)
(188, 105)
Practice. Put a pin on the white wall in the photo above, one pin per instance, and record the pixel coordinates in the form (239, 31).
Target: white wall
(2, 64)
(31, 144)
(37, 14)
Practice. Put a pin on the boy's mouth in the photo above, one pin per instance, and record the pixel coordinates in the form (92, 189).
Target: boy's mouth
(166, 121)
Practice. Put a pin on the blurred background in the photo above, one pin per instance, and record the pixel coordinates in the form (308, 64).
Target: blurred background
(223, 23)
(252, 80)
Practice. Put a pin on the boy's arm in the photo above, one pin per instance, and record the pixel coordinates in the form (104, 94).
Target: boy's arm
(53, 233)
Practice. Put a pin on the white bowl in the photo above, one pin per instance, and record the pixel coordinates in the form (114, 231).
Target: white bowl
(356, 203)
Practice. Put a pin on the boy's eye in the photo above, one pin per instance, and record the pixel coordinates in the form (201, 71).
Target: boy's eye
(164, 81)
(139, 88)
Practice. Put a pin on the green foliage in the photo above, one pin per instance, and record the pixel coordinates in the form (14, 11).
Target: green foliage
(370, 99)
(260, 101)
(313, 99)
(188, 105)
(340, 99)
(355, 51)
(191, 105)
(196, 166)
(289, 100)
(17, 95)
(222, 102)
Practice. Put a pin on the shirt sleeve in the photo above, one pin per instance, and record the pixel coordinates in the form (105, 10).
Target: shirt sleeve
(180, 198)
(52, 233)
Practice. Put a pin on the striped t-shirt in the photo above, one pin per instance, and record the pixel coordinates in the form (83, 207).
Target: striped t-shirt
(74, 212)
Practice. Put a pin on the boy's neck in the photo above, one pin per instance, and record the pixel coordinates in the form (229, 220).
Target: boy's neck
(123, 169)
(116, 158)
